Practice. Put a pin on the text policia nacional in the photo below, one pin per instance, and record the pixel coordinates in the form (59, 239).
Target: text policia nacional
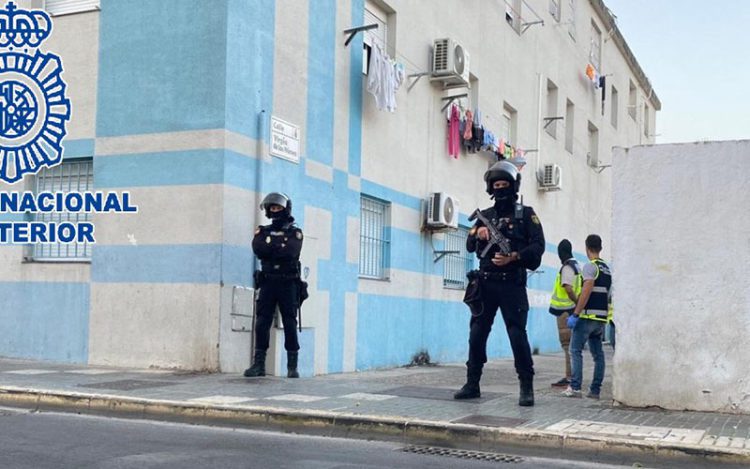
(65, 203)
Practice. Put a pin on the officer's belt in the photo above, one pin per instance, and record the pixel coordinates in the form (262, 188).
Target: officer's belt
(279, 276)
(499, 276)
(281, 266)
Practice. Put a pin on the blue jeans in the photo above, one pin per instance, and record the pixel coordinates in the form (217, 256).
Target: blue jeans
(593, 332)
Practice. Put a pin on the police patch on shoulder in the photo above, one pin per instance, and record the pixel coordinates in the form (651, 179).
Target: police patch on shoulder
(299, 234)
(535, 219)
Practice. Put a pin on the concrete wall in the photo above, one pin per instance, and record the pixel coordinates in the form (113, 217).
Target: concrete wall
(682, 305)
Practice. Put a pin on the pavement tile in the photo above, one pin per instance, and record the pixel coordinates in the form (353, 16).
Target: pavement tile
(365, 396)
(91, 371)
(296, 398)
(221, 400)
(31, 372)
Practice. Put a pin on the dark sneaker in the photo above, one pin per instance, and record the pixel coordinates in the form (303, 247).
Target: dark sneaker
(591, 395)
(563, 383)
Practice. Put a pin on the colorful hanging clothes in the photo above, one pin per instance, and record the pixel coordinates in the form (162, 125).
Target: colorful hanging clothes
(454, 136)
(469, 125)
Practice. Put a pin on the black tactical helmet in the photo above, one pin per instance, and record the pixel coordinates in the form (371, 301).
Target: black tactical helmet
(504, 170)
(276, 198)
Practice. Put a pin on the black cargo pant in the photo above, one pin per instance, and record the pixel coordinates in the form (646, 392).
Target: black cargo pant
(285, 293)
(510, 296)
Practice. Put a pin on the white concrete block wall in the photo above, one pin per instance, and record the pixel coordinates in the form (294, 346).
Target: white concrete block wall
(682, 249)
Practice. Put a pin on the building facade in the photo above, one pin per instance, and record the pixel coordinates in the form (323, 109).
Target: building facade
(199, 109)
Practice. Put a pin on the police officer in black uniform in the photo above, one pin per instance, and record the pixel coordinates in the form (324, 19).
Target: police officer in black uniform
(501, 279)
(278, 247)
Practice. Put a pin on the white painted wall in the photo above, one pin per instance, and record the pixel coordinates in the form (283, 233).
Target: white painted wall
(407, 150)
(682, 304)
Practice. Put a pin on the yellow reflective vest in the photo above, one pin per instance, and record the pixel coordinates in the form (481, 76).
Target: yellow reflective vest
(560, 302)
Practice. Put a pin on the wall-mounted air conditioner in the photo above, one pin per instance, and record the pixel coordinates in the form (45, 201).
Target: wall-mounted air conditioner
(442, 211)
(450, 63)
(549, 177)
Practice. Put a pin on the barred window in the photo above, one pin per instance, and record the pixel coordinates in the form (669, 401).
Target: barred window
(456, 265)
(374, 238)
(69, 176)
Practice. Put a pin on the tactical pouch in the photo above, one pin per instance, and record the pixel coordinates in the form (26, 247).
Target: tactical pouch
(303, 293)
(473, 293)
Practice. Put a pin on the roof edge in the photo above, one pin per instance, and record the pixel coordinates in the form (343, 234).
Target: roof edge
(604, 13)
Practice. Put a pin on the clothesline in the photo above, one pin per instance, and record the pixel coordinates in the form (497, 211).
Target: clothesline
(398, 54)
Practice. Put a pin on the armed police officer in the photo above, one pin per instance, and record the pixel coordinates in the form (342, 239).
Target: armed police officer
(512, 243)
(278, 247)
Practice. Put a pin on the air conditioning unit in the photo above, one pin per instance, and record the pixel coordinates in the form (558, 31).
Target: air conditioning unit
(450, 63)
(550, 177)
(442, 211)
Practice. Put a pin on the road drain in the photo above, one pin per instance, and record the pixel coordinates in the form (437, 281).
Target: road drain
(462, 454)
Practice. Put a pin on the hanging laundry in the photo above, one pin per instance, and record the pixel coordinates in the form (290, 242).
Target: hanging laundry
(384, 79)
(454, 136)
(469, 125)
(590, 72)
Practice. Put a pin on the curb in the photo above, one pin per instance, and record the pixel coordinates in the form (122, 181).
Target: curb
(348, 425)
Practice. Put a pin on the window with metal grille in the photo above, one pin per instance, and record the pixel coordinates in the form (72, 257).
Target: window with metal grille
(374, 238)
(572, 22)
(615, 105)
(69, 176)
(509, 123)
(456, 265)
(64, 7)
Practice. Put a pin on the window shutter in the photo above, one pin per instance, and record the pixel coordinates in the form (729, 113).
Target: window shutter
(64, 7)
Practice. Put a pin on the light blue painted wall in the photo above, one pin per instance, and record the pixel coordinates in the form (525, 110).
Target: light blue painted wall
(177, 263)
(355, 92)
(249, 64)
(45, 321)
(78, 148)
(161, 68)
(321, 78)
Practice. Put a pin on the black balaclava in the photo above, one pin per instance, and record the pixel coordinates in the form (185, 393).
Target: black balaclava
(504, 198)
(281, 218)
(565, 250)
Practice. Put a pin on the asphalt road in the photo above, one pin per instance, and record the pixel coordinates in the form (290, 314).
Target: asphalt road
(42, 440)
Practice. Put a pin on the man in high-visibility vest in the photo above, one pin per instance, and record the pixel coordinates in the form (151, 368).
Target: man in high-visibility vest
(589, 320)
(564, 297)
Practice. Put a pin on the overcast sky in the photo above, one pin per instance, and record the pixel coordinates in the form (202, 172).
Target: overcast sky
(697, 56)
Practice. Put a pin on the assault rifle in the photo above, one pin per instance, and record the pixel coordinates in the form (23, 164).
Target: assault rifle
(496, 237)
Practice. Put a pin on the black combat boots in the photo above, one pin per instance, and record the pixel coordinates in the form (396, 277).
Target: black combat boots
(291, 364)
(526, 398)
(259, 365)
(470, 390)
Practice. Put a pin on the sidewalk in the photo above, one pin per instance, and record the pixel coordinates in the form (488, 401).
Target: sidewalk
(413, 405)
